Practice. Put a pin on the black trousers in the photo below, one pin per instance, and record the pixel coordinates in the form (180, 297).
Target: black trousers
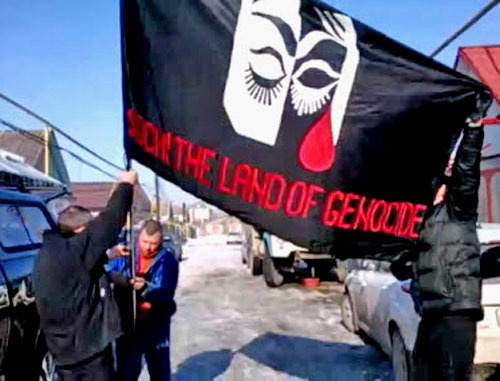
(444, 349)
(97, 368)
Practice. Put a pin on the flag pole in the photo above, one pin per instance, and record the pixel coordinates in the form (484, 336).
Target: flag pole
(128, 166)
(130, 226)
(157, 196)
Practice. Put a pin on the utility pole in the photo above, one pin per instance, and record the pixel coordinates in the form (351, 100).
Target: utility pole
(157, 191)
(46, 148)
(488, 7)
(184, 220)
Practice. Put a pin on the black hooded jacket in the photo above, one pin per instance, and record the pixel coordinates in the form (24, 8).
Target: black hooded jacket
(78, 314)
(447, 268)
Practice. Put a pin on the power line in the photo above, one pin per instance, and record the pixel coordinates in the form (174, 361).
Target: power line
(42, 141)
(466, 26)
(67, 136)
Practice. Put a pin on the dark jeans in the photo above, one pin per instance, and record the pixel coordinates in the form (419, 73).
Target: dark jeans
(96, 368)
(444, 350)
(130, 350)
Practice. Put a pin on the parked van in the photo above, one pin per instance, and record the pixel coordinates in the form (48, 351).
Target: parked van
(24, 217)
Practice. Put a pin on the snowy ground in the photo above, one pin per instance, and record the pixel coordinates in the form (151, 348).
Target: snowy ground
(230, 326)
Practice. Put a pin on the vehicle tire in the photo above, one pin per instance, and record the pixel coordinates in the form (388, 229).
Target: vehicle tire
(180, 255)
(400, 357)
(44, 360)
(272, 276)
(254, 265)
(340, 271)
(244, 253)
(48, 368)
(4, 337)
(347, 313)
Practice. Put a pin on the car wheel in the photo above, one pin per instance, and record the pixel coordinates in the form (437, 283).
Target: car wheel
(272, 276)
(4, 336)
(243, 255)
(255, 265)
(400, 357)
(44, 360)
(340, 271)
(48, 369)
(347, 312)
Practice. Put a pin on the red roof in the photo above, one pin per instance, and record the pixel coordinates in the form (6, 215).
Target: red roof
(93, 196)
(485, 63)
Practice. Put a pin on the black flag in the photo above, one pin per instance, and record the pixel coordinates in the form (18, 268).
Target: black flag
(291, 116)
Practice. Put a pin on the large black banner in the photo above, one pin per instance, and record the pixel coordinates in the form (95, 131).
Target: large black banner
(291, 116)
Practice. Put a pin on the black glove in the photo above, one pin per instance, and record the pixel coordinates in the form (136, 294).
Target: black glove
(483, 103)
(415, 296)
(402, 266)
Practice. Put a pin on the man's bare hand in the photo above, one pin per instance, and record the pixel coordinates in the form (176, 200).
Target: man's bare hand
(118, 251)
(137, 283)
(128, 177)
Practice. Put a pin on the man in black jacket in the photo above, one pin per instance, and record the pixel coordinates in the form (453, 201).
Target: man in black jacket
(447, 270)
(445, 266)
(78, 314)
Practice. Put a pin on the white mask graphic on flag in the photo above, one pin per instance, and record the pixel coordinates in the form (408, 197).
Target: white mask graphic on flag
(270, 59)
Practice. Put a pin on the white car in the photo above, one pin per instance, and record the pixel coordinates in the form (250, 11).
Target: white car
(379, 305)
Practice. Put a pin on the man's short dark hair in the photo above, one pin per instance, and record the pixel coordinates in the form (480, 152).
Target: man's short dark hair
(73, 217)
(151, 227)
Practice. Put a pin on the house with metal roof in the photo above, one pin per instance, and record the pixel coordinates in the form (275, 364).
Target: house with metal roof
(483, 64)
(39, 150)
(95, 195)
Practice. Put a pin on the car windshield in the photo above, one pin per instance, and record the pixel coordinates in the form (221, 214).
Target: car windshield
(35, 221)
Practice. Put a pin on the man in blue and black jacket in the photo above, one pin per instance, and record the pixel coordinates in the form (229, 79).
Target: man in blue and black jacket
(155, 283)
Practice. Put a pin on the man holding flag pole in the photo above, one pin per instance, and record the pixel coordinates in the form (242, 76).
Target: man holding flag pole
(145, 294)
(445, 267)
(78, 313)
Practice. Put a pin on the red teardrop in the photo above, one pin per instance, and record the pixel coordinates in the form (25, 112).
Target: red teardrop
(316, 151)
